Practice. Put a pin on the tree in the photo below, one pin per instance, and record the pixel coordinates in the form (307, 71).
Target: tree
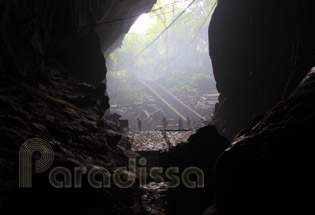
(173, 62)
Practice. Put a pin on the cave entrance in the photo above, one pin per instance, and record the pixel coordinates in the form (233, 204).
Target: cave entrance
(163, 68)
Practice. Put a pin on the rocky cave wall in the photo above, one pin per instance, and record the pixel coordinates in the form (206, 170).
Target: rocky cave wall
(269, 168)
(73, 33)
(263, 56)
(260, 51)
(52, 64)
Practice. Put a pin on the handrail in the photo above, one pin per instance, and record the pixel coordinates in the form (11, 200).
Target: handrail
(164, 101)
(182, 103)
(194, 113)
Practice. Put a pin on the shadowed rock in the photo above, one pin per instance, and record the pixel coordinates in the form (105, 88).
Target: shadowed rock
(260, 51)
(268, 170)
(201, 150)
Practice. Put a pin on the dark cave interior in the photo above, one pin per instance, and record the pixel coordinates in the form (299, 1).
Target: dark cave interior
(254, 155)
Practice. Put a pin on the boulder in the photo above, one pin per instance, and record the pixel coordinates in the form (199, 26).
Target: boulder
(201, 150)
(268, 168)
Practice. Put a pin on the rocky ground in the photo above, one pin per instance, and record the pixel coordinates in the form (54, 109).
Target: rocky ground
(154, 199)
(190, 148)
(155, 140)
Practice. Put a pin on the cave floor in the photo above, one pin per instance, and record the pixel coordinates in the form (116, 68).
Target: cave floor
(155, 140)
(149, 144)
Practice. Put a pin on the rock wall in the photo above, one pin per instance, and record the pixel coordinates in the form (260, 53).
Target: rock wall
(75, 34)
(201, 150)
(51, 55)
(268, 170)
(260, 51)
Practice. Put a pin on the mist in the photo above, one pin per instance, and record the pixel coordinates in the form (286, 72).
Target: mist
(167, 47)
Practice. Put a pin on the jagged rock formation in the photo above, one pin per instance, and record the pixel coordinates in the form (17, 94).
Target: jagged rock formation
(268, 170)
(260, 51)
(73, 33)
(68, 114)
(50, 54)
(201, 150)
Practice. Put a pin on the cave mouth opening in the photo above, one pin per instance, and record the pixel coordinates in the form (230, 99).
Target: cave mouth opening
(164, 57)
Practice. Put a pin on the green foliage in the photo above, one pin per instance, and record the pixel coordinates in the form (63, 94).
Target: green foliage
(178, 59)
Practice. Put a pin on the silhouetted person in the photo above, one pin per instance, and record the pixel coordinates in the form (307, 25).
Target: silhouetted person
(188, 122)
(164, 122)
(139, 123)
(180, 124)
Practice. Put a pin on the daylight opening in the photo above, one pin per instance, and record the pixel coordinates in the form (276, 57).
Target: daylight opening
(162, 73)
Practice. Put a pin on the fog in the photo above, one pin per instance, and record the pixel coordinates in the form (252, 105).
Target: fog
(168, 46)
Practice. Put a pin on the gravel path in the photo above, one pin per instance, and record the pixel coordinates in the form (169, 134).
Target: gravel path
(154, 140)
